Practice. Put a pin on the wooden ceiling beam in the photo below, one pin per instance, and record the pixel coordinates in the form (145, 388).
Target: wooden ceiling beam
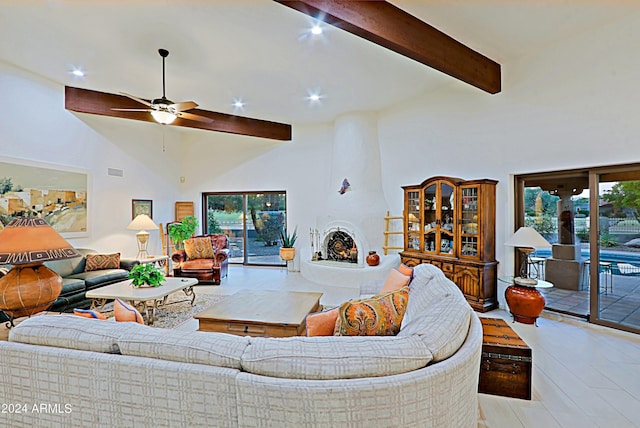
(101, 103)
(382, 23)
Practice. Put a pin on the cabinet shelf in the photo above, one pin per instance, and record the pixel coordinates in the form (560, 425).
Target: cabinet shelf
(455, 233)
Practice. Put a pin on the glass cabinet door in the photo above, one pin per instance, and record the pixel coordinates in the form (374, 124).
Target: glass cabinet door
(447, 219)
(413, 220)
(469, 225)
(430, 219)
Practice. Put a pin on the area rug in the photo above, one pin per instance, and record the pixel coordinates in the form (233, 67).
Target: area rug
(178, 309)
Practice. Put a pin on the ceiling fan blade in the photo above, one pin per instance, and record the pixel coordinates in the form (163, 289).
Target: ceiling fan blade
(192, 116)
(132, 109)
(183, 106)
(140, 100)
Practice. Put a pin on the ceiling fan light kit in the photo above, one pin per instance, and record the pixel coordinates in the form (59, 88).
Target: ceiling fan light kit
(163, 117)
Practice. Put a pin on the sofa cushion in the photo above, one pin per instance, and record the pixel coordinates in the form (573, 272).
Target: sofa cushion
(380, 315)
(69, 331)
(215, 349)
(331, 357)
(199, 248)
(428, 286)
(71, 286)
(98, 278)
(442, 326)
(66, 267)
(102, 262)
(200, 264)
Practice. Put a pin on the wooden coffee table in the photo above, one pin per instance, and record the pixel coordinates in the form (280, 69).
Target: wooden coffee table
(145, 299)
(260, 313)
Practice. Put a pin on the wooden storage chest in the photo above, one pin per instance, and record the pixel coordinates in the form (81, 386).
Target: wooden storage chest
(505, 367)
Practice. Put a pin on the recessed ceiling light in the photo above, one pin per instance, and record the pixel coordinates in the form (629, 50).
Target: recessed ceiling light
(238, 104)
(316, 29)
(77, 72)
(314, 97)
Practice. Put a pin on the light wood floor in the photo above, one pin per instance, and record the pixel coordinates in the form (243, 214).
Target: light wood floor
(583, 375)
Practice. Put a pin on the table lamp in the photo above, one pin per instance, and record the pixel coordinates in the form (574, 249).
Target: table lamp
(526, 240)
(30, 287)
(142, 222)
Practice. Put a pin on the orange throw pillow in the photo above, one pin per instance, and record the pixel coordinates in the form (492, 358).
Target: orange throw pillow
(125, 312)
(380, 315)
(321, 323)
(102, 261)
(405, 270)
(394, 281)
(88, 313)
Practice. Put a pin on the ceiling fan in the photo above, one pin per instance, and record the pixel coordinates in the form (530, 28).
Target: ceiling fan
(163, 110)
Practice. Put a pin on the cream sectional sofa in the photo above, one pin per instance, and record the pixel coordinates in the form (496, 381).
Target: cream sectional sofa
(62, 370)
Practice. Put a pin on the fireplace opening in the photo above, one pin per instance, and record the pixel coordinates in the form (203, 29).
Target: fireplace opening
(341, 247)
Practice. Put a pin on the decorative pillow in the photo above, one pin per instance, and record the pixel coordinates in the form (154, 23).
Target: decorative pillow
(321, 323)
(125, 312)
(380, 315)
(102, 261)
(405, 270)
(88, 313)
(395, 280)
(199, 248)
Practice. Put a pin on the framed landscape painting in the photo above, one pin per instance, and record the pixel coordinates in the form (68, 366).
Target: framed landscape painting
(57, 194)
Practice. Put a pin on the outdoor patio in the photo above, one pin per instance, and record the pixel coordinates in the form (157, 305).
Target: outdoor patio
(622, 304)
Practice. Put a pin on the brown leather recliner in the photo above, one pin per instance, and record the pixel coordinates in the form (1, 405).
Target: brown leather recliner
(204, 270)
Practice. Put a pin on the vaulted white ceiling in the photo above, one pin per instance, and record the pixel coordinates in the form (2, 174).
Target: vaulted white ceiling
(262, 52)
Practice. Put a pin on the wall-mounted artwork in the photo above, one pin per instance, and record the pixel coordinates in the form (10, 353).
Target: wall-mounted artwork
(56, 194)
(141, 206)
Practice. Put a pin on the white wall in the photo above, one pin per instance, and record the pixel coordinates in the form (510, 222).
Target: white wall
(36, 127)
(574, 104)
(215, 162)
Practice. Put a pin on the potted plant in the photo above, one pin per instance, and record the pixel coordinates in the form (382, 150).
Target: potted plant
(178, 232)
(287, 250)
(146, 274)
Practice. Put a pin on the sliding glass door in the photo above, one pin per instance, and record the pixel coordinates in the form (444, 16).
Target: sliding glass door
(591, 217)
(251, 220)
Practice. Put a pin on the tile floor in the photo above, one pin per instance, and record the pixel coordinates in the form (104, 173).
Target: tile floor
(584, 375)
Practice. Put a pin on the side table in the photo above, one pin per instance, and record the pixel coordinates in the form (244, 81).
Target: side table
(525, 302)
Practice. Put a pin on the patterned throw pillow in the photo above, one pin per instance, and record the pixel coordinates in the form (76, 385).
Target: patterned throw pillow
(199, 248)
(380, 315)
(102, 261)
(125, 312)
(88, 313)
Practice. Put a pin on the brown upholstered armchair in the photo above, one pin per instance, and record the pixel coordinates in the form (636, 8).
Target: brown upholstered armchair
(199, 260)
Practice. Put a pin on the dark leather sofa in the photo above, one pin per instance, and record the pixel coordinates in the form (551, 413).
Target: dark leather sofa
(76, 282)
(204, 270)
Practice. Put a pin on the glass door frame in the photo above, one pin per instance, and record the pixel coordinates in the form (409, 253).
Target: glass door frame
(245, 208)
(619, 172)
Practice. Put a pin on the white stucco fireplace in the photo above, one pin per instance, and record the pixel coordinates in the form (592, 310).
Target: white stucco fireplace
(357, 212)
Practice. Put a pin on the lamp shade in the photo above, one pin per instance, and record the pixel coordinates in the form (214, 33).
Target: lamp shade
(142, 222)
(32, 240)
(527, 237)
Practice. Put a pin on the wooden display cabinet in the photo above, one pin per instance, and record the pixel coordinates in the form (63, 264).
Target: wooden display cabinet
(450, 223)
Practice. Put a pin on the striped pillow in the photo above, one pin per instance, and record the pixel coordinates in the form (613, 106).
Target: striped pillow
(102, 261)
(125, 312)
(88, 313)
